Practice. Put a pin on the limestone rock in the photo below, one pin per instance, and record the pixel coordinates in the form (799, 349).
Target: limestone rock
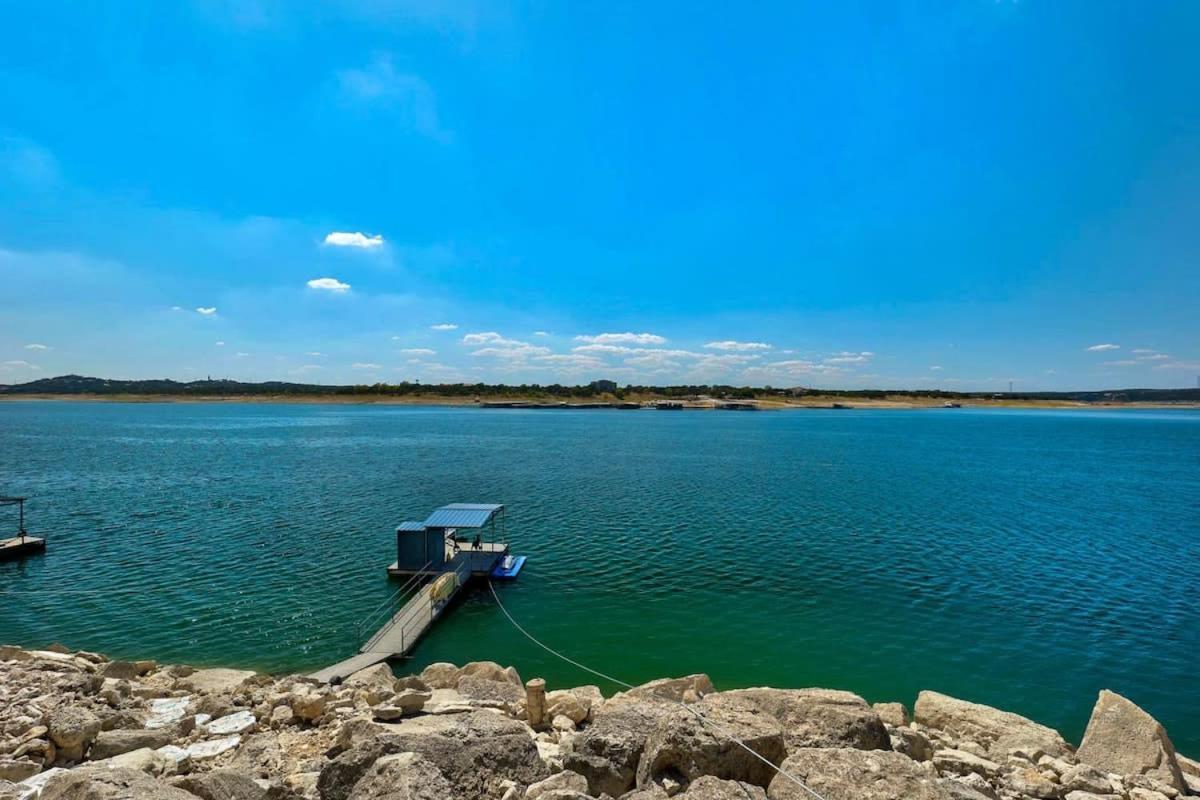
(688, 689)
(707, 787)
(535, 702)
(960, 762)
(850, 774)
(968, 787)
(816, 717)
(608, 750)
(114, 743)
(911, 743)
(378, 677)
(237, 722)
(566, 779)
(72, 729)
(223, 784)
(216, 681)
(488, 693)
(167, 711)
(999, 731)
(109, 784)
(402, 776)
(894, 714)
(143, 760)
(441, 676)
(1124, 739)
(15, 770)
(212, 748)
(683, 747)
(1086, 778)
(1031, 783)
(567, 704)
(490, 670)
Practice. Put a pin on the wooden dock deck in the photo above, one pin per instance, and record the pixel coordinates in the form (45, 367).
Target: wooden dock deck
(21, 546)
(401, 632)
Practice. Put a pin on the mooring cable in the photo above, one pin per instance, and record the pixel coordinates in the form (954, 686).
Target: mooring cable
(703, 721)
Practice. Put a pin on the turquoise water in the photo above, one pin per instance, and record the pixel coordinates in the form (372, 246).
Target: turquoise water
(1024, 559)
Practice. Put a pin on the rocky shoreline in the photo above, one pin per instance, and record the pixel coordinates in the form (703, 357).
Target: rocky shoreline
(78, 726)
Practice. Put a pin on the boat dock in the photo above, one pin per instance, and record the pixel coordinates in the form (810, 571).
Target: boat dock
(22, 544)
(439, 557)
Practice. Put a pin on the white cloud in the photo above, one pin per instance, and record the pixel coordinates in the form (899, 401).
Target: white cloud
(573, 360)
(207, 311)
(490, 337)
(541, 333)
(220, 344)
(329, 285)
(730, 344)
(1100, 348)
(1155, 357)
(178, 308)
(17, 363)
(444, 326)
(1191, 366)
(849, 358)
(36, 346)
(419, 351)
(355, 239)
(242, 355)
(364, 365)
(1127, 362)
(935, 368)
(517, 350)
(623, 338)
(307, 368)
(314, 354)
(1141, 351)
(613, 349)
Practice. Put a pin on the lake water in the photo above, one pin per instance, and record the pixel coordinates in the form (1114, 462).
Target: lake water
(1024, 559)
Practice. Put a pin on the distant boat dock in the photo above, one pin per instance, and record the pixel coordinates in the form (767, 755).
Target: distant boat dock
(438, 557)
(22, 544)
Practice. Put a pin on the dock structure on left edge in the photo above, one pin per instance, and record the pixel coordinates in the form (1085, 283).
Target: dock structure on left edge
(438, 557)
(22, 544)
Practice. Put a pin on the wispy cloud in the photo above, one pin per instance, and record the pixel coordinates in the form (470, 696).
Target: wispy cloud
(849, 358)
(1100, 348)
(242, 355)
(935, 368)
(418, 351)
(379, 86)
(207, 311)
(1191, 366)
(541, 333)
(444, 326)
(36, 346)
(730, 344)
(364, 365)
(314, 354)
(623, 338)
(1125, 362)
(356, 239)
(19, 364)
(219, 344)
(329, 285)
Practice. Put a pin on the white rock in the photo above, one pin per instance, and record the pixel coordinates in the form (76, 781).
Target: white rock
(203, 719)
(237, 722)
(167, 711)
(213, 747)
(173, 753)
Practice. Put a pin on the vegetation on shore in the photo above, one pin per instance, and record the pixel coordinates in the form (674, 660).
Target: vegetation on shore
(80, 386)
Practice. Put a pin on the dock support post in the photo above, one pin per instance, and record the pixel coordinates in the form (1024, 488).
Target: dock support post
(535, 702)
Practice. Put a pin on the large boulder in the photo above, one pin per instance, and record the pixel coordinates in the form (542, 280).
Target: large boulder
(816, 717)
(476, 752)
(488, 693)
(440, 676)
(114, 743)
(109, 784)
(1001, 732)
(688, 689)
(565, 781)
(704, 740)
(607, 751)
(223, 784)
(72, 729)
(850, 774)
(491, 671)
(1124, 739)
(402, 776)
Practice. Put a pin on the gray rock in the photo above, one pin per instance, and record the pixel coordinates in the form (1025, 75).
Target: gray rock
(120, 670)
(707, 787)
(1086, 778)
(849, 774)
(72, 729)
(223, 784)
(684, 746)
(114, 743)
(1001, 732)
(15, 770)
(402, 776)
(486, 692)
(816, 717)
(911, 743)
(1029, 782)
(960, 762)
(607, 751)
(969, 787)
(109, 784)
(1124, 739)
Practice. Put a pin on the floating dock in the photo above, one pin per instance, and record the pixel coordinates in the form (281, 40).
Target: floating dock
(439, 557)
(22, 544)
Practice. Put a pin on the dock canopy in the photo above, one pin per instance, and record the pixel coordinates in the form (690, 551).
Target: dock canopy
(463, 515)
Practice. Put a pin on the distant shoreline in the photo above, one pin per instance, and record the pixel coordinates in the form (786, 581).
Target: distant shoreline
(810, 402)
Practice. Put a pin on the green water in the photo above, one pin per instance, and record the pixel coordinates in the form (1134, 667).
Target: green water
(1023, 559)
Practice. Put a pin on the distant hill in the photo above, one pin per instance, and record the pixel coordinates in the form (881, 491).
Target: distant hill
(81, 385)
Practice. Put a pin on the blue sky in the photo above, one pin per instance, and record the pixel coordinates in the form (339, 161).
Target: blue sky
(827, 194)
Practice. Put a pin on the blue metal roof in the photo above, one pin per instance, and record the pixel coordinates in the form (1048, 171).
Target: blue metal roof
(463, 515)
(410, 526)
